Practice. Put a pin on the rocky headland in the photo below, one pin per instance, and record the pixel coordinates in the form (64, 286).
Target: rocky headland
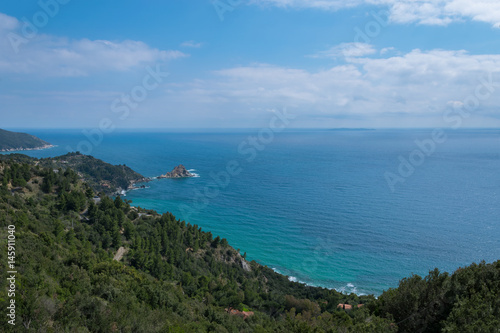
(14, 141)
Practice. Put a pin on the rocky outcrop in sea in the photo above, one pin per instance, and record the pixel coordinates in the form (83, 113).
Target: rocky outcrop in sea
(178, 172)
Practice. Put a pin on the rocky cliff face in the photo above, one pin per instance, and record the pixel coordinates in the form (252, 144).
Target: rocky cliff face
(178, 172)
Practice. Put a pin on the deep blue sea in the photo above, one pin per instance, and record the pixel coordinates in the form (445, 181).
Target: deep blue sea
(315, 205)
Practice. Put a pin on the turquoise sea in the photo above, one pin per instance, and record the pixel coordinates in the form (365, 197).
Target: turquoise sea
(315, 204)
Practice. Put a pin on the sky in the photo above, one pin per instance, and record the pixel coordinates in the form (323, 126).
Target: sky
(237, 63)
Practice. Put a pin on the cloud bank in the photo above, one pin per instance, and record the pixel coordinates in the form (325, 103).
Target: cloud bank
(428, 12)
(416, 84)
(48, 55)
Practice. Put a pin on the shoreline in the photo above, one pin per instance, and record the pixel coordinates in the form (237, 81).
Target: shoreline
(348, 288)
(344, 290)
(27, 149)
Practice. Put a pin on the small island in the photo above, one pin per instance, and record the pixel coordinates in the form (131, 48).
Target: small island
(178, 172)
(14, 141)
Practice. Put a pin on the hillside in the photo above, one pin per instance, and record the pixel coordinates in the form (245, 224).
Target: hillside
(10, 141)
(101, 176)
(171, 276)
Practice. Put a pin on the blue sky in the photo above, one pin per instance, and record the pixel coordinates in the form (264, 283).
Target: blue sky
(233, 64)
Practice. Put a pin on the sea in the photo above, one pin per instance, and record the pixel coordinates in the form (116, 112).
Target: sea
(353, 210)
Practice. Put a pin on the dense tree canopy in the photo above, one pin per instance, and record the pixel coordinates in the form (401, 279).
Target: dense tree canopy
(171, 276)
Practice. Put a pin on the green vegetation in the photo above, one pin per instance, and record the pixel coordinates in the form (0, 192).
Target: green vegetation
(101, 176)
(466, 301)
(175, 277)
(19, 141)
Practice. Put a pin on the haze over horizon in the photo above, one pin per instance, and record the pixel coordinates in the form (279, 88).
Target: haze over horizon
(235, 64)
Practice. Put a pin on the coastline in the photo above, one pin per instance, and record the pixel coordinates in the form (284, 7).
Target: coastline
(140, 184)
(26, 149)
(347, 289)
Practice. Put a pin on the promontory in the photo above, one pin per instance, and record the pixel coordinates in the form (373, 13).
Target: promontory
(12, 141)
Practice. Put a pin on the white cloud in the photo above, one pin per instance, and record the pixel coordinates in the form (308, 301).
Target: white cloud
(478, 10)
(53, 56)
(346, 50)
(387, 50)
(428, 12)
(455, 104)
(191, 43)
(417, 84)
(8, 22)
(320, 4)
(425, 12)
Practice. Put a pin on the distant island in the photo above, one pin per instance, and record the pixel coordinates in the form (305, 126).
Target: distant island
(178, 172)
(351, 129)
(13, 141)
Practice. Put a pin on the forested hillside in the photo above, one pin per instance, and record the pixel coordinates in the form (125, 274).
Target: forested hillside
(101, 176)
(19, 141)
(170, 276)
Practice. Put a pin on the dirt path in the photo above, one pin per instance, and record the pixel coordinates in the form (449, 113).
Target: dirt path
(120, 253)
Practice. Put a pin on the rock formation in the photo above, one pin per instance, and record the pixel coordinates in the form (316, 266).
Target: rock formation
(178, 172)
